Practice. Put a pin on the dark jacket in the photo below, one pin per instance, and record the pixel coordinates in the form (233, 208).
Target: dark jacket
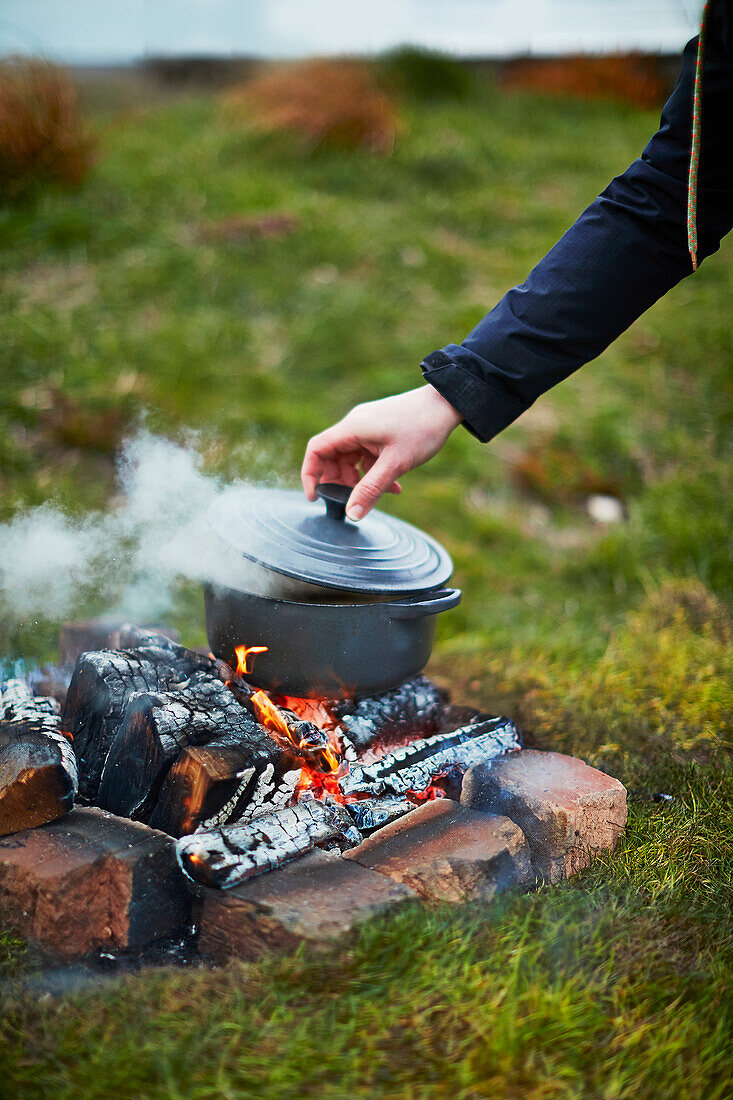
(622, 254)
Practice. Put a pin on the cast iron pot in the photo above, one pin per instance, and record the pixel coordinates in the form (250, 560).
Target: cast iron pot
(326, 649)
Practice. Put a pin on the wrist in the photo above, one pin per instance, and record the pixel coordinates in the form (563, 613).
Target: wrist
(449, 415)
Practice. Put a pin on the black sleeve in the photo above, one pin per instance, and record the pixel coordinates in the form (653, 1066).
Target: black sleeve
(622, 254)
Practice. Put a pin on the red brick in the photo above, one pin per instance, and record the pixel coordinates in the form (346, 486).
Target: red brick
(102, 633)
(448, 853)
(567, 810)
(91, 880)
(314, 900)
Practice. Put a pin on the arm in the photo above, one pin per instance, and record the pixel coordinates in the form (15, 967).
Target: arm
(623, 253)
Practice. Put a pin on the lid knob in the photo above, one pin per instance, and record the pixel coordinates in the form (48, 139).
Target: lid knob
(335, 497)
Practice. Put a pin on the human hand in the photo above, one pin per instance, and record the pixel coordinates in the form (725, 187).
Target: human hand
(376, 443)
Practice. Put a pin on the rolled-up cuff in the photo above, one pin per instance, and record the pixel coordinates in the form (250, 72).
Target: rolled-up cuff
(486, 409)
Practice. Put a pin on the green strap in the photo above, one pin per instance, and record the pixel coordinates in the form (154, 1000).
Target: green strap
(695, 146)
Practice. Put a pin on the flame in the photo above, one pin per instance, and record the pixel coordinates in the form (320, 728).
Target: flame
(271, 718)
(320, 784)
(244, 652)
(324, 780)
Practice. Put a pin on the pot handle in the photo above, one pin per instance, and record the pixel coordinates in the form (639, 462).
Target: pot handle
(414, 607)
(335, 497)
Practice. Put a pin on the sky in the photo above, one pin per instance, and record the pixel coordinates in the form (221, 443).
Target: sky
(103, 31)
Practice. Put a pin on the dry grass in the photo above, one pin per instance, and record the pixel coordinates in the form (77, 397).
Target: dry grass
(628, 78)
(42, 136)
(332, 103)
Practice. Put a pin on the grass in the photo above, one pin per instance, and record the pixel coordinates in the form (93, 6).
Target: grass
(610, 643)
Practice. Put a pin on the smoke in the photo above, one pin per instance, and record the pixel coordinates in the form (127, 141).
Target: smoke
(127, 559)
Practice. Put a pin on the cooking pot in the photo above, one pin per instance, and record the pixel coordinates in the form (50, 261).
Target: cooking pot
(343, 608)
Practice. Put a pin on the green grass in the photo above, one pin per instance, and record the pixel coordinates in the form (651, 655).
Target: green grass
(613, 644)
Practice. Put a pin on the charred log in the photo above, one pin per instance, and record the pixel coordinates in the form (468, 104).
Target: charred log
(232, 778)
(98, 694)
(370, 814)
(413, 767)
(155, 729)
(17, 701)
(227, 856)
(414, 708)
(285, 727)
(38, 773)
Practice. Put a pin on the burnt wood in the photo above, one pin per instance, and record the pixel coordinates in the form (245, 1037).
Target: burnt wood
(414, 708)
(103, 683)
(413, 767)
(155, 727)
(156, 731)
(233, 777)
(38, 773)
(99, 691)
(227, 856)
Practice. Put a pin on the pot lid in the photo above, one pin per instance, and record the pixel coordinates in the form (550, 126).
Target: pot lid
(315, 542)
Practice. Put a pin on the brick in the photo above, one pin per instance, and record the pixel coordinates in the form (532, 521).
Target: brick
(91, 880)
(445, 852)
(567, 810)
(314, 900)
(103, 633)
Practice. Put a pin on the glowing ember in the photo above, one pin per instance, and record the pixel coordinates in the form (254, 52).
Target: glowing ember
(310, 710)
(443, 784)
(244, 652)
(323, 767)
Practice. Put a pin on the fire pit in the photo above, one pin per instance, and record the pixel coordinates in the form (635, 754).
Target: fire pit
(248, 779)
(334, 773)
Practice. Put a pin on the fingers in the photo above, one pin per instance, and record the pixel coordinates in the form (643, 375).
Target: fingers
(380, 478)
(333, 455)
(321, 450)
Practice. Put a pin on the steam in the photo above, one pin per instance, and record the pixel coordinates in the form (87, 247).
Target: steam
(128, 558)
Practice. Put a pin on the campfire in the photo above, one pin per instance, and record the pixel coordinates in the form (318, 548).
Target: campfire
(184, 766)
(248, 780)
(176, 767)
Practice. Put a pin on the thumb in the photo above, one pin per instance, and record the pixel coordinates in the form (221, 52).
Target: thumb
(377, 481)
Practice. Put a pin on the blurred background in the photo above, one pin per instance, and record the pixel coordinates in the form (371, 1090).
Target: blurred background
(222, 224)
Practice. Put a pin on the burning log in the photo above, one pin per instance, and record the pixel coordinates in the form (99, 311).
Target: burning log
(375, 794)
(414, 707)
(225, 857)
(38, 773)
(228, 779)
(289, 730)
(413, 767)
(156, 728)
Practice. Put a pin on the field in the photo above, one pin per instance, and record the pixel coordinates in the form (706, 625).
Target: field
(139, 295)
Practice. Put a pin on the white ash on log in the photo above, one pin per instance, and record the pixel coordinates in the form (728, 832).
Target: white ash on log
(380, 791)
(224, 781)
(414, 708)
(370, 814)
(228, 856)
(156, 728)
(18, 701)
(38, 773)
(413, 767)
